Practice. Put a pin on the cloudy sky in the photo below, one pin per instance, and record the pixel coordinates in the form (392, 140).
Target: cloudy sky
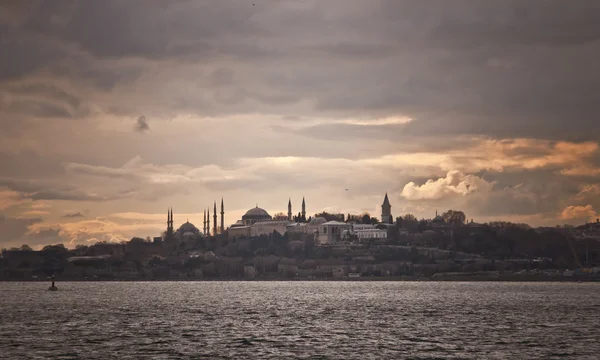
(112, 111)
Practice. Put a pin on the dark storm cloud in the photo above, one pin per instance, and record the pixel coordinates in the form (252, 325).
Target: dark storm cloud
(517, 22)
(530, 199)
(49, 236)
(150, 28)
(38, 190)
(72, 195)
(498, 68)
(73, 215)
(12, 228)
(344, 132)
(35, 108)
(462, 70)
(102, 171)
(141, 125)
(23, 56)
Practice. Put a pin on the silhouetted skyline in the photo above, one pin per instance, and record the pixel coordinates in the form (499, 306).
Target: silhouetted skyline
(113, 111)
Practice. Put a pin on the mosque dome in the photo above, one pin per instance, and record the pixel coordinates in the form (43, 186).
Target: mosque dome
(438, 219)
(187, 227)
(256, 214)
(318, 220)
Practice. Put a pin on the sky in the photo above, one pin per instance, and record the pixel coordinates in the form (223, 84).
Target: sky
(112, 111)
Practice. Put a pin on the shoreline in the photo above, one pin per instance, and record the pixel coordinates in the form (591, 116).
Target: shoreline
(361, 279)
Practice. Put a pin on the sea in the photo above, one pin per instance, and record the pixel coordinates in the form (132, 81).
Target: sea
(300, 320)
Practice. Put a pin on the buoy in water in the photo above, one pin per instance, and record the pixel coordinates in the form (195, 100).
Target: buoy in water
(52, 287)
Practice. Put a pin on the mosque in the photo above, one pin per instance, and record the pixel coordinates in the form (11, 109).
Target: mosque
(257, 221)
(188, 231)
(254, 222)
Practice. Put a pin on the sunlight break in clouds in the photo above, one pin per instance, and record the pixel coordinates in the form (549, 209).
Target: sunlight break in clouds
(377, 122)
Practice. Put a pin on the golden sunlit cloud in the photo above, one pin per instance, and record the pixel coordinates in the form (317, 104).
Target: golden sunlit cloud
(455, 183)
(9, 198)
(578, 212)
(377, 122)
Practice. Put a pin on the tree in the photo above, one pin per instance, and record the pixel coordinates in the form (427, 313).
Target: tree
(55, 248)
(366, 219)
(25, 247)
(399, 222)
(280, 216)
(330, 217)
(136, 240)
(409, 217)
(454, 217)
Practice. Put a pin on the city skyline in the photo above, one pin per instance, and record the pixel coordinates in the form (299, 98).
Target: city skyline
(489, 108)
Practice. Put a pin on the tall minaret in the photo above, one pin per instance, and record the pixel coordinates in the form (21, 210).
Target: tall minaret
(303, 210)
(222, 216)
(386, 211)
(208, 222)
(204, 223)
(170, 223)
(290, 209)
(215, 218)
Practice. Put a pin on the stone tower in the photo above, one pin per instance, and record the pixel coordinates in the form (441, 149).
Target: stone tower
(386, 211)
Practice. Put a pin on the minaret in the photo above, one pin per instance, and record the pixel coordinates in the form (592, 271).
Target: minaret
(170, 223)
(222, 216)
(386, 211)
(215, 218)
(204, 223)
(208, 222)
(303, 210)
(290, 210)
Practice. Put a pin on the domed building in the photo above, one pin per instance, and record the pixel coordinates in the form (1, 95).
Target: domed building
(255, 215)
(187, 229)
(438, 221)
(317, 220)
(188, 232)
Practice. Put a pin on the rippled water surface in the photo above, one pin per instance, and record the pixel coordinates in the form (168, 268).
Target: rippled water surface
(308, 320)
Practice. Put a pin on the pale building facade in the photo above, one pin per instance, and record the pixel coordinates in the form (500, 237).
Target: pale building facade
(268, 227)
(332, 232)
(368, 232)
